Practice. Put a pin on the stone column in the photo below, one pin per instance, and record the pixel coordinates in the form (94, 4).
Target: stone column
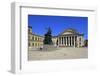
(58, 41)
(74, 41)
(61, 41)
(77, 41)
(66, 41)
(69, 40)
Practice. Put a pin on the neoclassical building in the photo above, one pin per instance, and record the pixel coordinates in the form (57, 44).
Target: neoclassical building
(68, 38)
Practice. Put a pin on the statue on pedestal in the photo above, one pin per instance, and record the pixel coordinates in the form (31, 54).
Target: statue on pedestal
(48, 37)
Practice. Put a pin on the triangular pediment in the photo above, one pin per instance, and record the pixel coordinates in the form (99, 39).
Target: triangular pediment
(64, 33)
(69, 31)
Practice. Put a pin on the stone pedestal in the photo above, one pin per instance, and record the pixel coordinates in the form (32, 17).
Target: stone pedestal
(49, 47)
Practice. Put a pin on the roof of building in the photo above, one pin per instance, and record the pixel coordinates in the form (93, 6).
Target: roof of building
(37, 35)
(71, 31)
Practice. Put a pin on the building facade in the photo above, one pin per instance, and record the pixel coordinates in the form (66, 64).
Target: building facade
(68, 38)
(34, 41)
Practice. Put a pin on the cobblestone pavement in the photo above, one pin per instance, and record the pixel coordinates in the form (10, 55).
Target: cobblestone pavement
(60, 53)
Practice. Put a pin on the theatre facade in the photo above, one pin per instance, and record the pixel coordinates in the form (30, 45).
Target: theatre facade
(68, 38)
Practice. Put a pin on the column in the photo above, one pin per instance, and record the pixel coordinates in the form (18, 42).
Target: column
(69, 40)
(63, 41)
(59, 41)
(66, 41)
(74, 41)
(78, 41)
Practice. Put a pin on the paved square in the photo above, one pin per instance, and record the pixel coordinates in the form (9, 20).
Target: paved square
(60, 53)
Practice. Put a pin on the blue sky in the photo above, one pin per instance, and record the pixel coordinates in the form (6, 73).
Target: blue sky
(58, 24)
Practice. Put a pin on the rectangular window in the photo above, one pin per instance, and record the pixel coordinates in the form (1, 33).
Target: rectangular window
(32, 44)
(33, 38)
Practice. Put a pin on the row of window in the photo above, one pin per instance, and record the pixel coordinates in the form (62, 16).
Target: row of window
(35, 44)
(35, 38)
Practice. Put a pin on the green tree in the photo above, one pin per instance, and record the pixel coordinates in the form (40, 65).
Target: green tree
(48, 37)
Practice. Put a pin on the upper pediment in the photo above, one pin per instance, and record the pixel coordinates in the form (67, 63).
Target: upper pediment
(69, 31)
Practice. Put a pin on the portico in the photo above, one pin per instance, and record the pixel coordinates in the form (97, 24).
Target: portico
(67, 40)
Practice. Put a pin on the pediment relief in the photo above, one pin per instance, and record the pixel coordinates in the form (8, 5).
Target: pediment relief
(69, 31)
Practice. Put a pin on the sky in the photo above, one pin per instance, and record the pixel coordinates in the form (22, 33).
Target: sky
(58, 24)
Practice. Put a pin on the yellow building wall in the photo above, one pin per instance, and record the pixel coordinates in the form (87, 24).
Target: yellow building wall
(35, 41)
